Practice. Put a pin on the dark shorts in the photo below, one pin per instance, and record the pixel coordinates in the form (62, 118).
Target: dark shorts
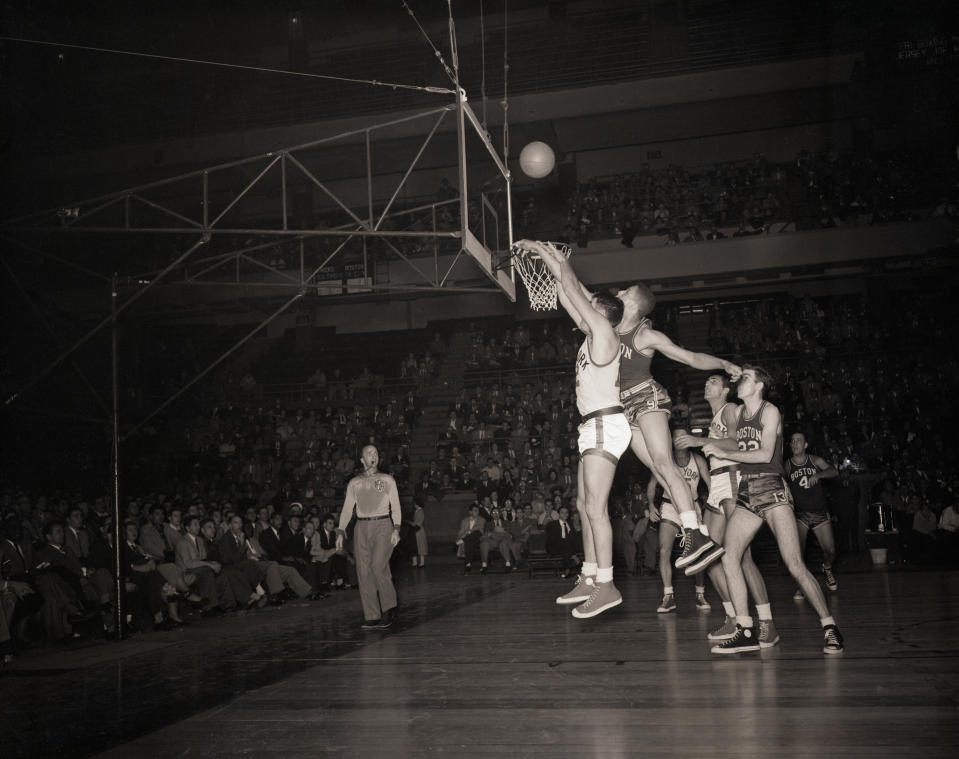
(646, 398)
(812, 519)
(759, 493)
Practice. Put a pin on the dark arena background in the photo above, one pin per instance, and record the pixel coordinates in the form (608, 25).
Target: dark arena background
(241, 241)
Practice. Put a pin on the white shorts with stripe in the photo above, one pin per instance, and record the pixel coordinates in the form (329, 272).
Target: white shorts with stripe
(723, 485)
(606, 436)
(669, 513)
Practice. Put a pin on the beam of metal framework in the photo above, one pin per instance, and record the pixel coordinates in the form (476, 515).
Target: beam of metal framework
(192, 203)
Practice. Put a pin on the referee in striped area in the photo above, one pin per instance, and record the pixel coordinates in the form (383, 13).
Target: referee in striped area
(372, 497)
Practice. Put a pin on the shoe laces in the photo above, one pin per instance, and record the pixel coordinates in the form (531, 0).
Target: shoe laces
(832, 636)
(593, 595)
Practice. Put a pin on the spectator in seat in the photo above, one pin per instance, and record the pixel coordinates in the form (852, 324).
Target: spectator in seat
(948, 532)
(561, 542)
(333, 563)
(236, 552)
(58, 600)
(97, 581)
(210, 584)
(244, 583)
(299, 547)
(150, 592)
(153, 540)
(497, 537)
(273, 537)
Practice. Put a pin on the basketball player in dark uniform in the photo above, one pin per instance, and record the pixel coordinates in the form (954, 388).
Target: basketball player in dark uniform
(723, 486)
(648, 405)
(805, 473)
(763, 496)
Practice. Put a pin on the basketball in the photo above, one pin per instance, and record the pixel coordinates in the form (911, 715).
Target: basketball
(537, 160)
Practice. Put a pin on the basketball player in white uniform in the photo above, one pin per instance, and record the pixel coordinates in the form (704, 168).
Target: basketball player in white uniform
(693, 469)
(604, 433)
(723, 486)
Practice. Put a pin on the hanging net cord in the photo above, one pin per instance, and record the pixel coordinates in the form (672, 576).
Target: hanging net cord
(537, 278)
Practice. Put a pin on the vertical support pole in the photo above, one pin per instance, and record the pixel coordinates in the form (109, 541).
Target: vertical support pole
(436, 251)
(509, 223)
(118, 531)
(206, 200)
(283, 186)
(461, 151)
(369, 200)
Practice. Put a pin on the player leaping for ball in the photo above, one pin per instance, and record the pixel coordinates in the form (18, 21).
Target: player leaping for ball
(603, 434)
(648, 405)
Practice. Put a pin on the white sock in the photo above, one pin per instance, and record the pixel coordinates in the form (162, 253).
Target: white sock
(744, 622)
(729, 609)
(688, 518)
(764, 612)
(589, 568)
(827, 621)
(604, 575)
(668, 590)
(700, 590)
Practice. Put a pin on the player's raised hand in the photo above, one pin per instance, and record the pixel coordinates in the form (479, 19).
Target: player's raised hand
(688, 441)
(733, 370)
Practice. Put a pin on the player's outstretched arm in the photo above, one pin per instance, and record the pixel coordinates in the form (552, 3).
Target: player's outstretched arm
(651, 338)
(826, 470)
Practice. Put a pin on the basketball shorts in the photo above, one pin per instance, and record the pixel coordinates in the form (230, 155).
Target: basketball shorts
(646, 398)
(723, 485)
(669, 513)
(606, 436)
(759, 493)
(812, 519)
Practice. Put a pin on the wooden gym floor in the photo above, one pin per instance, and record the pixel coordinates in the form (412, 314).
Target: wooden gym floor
(488, 665)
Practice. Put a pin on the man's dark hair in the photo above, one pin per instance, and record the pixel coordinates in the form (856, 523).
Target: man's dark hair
(205, 522)
(48, 527)
(611, 306)
(761, 376)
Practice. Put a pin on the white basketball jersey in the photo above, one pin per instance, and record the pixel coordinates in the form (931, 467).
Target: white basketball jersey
(597, 385)
(717, 431)
(691, 475)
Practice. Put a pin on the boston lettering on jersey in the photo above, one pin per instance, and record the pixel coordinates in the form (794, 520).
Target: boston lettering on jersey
(808, 497)
(749, 437)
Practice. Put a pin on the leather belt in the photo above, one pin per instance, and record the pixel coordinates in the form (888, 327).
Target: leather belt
(603, 412)
(724, 469)
(373, 519)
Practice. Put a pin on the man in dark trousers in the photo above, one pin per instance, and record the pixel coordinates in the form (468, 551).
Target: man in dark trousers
(373, 498)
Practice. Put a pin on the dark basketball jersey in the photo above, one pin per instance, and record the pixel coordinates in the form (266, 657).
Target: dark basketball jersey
(808, 498)
(634, 367)
(749, 437)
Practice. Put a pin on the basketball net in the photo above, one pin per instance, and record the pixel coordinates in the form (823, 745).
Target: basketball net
(539, 281)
